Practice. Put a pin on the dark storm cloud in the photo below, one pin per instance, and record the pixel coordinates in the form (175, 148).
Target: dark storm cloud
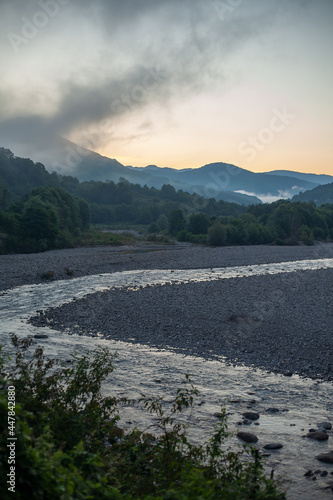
(82, 104)
(153, 51)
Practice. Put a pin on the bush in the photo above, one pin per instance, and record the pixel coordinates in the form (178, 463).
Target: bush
(47, 275)
(184, 235)
(319, 233)
(69, 445)
(200, 239)
(217, 234)
(153, 228)
(162, 222)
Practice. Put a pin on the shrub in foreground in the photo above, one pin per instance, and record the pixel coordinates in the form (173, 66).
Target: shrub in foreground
(70, 444)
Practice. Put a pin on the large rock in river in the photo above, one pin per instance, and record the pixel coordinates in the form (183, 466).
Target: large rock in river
(250, 415)
(326, 457)
(319, 436)
(247, 437)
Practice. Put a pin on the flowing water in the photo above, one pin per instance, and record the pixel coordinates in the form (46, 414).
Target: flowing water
(141, 369)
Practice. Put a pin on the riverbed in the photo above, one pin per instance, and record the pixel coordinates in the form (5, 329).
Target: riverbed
(301, 403)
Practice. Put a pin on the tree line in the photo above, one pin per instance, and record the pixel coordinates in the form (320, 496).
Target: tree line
(283, 223)
(40, 211)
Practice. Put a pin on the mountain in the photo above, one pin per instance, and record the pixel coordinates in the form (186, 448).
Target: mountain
(219, 177)
(33, 139)
(320, 195)
(316, 178)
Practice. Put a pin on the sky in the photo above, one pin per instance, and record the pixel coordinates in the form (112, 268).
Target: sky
(175, 83)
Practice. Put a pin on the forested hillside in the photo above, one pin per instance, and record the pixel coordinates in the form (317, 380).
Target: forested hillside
(40, 211)
(321, 195)
(110, 203)
(45, 218)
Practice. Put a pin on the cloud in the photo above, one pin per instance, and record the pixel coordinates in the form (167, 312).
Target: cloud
(106, 59)
(122, 44)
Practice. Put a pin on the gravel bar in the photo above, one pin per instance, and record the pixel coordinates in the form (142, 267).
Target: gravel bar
(282, 323)
(26, 269)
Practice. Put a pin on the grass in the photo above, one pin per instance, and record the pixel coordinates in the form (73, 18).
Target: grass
(94, 238)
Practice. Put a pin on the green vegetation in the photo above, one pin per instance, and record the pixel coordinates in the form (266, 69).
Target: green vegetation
(70, 444)
(283, 223)
(95, 237)
(45, 218)
(41, 211)
(322, 195)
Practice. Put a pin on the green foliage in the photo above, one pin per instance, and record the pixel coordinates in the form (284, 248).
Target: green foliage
(306, 235)
(53, 211)
(162, 222)
(198, 223)
(217, 234)
(69, 444)
(45, 218)
(321, 195)
(176, 221)
(153, 228)
(40, 220)
(282, 223)
(95, 237)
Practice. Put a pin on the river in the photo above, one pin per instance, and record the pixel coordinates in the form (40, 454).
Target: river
(303, 403)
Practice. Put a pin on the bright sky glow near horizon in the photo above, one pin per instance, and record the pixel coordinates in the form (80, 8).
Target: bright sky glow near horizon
(176, 83)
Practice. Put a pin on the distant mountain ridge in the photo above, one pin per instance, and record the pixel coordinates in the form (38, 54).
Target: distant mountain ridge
(219, 180)
(316, 178)
(221, 177)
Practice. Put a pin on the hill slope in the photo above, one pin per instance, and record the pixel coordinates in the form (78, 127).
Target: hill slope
(320, 195)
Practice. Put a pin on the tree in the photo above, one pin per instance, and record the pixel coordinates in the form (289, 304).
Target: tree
(168, 191)
(162, 222)
(217, 234)
(198, 223)
(40, 220)
(84, 214)
(176, 221)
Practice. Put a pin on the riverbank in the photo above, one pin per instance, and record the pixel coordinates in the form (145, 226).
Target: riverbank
(282, 323)
(27, 269)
